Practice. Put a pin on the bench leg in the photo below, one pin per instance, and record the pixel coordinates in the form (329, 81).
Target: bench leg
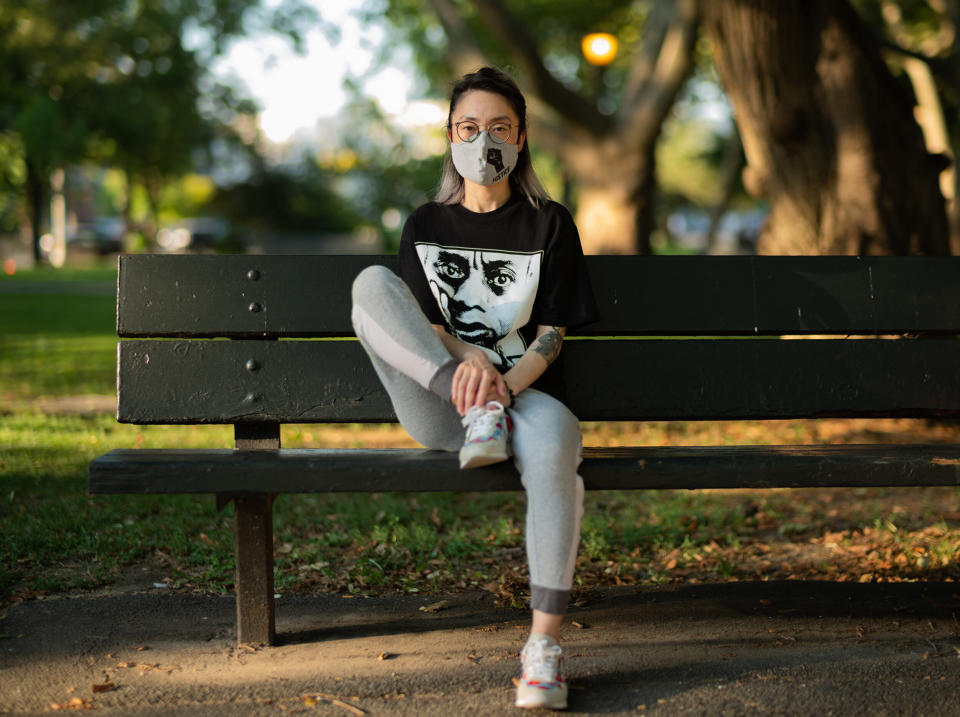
(256, 623)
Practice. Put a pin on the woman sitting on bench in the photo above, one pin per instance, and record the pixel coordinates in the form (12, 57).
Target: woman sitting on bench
(466, 341)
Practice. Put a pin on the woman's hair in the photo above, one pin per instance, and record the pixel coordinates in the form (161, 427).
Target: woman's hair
(522, 179)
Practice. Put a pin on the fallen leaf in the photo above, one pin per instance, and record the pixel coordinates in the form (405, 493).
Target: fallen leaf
(385, 656)
(579, 625)
(435, 607)
(104, 687)
(318, 697)
(766, 603)
(141, 648)
(126, 664)
(76, 703)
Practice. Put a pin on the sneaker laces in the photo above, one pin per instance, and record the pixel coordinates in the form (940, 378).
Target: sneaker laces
(482, 420)
(540, 661)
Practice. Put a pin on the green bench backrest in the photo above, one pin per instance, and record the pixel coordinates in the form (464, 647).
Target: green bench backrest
(725, 358)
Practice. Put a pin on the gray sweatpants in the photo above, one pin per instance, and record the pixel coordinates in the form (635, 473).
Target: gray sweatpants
(416, 369)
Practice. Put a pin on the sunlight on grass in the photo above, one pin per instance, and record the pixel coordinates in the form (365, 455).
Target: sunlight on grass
(34, 366)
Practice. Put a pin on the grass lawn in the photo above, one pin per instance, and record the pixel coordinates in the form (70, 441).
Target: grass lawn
(56, 537)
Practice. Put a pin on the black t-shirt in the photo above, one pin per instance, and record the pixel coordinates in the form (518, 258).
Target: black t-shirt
(491, 278)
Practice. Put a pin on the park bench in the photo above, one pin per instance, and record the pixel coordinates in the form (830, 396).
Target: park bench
(681, 338)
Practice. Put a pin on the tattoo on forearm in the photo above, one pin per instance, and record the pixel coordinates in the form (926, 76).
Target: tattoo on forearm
(548, 345)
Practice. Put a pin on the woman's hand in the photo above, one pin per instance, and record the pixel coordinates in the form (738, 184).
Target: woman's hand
(475, 382)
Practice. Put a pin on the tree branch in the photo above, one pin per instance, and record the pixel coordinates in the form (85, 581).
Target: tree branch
(653, 101)
(946, 68)
(465, 54)
(510, 31)
(941, 67)
(654, 30)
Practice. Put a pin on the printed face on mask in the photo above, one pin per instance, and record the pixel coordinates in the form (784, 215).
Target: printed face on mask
(485, 137)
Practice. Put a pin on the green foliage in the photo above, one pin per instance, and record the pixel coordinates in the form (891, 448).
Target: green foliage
(13, 177)
(383, 168)
(291, 199)
(688, 162)
(122, 83)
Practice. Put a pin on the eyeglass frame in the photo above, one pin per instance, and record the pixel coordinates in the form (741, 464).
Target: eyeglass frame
(509, 125)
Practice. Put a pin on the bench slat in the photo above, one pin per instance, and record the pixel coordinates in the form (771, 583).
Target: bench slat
(309, 296)
(320, 471)
(332, 381)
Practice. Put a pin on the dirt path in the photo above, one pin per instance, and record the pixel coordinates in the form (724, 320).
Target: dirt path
(787, 648)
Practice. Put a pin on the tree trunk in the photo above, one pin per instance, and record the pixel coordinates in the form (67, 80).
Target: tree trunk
(37, 188)
(829, 135)
(614, 195)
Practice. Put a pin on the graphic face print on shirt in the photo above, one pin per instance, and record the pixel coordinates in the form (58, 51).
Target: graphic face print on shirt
(485, 296)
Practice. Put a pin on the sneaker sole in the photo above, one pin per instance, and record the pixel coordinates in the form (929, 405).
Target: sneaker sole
(481, 459)
(558, 704)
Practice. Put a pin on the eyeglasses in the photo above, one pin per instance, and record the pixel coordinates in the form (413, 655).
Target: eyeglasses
(499, 132)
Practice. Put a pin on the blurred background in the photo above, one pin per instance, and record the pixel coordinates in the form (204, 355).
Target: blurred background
(311, 126)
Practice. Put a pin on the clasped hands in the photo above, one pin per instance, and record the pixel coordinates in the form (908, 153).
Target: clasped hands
(475, 382)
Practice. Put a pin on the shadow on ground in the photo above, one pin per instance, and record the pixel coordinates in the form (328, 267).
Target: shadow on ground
(780, 648)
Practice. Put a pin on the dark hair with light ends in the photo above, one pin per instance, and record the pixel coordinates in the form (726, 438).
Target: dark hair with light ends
(522, 179)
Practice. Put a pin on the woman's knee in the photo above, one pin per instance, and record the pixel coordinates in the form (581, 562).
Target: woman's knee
(371, 283)
(548, 450)
(549, 422)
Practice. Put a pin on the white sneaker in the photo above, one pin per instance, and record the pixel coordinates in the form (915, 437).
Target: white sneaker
(542, 683)
(488, 435)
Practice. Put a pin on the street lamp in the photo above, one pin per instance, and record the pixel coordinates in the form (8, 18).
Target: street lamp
(599, 48)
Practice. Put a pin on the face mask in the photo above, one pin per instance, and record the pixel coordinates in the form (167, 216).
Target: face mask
(483, 161)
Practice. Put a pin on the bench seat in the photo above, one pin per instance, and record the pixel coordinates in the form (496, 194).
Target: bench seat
(385, 470)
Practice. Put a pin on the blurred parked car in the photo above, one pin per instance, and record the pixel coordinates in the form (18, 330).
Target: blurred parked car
(736, 233)
(739, 232)
(688, 228)
(103, 235)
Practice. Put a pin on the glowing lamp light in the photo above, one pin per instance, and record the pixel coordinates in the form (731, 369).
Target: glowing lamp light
(599, 48)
